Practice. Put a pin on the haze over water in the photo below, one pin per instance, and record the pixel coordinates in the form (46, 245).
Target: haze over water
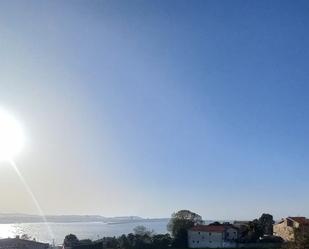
(83, 230)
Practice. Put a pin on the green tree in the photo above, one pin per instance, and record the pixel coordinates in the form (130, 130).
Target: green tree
(179, 224)
(70, 240)
(161, 241)
(266, 222)
(253, 233)
(124, 242)
(142, 230)
(131, 240)
(112, 243)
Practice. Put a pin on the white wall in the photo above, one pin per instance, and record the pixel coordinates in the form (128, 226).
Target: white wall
(231, 233)
(205, 239)
(284, 231)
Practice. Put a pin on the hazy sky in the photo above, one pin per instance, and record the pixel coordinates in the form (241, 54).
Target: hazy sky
(147, 107)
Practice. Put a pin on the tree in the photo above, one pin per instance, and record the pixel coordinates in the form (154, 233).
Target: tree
(124, 242)
(143, 241)
(179, 223)
(111, 242)
(131, 239)
(266, 222)
(142, 230)
(216, 223)
(25, 236)
(70, 240)
(257, 228)
(161, 241)
(253, 232)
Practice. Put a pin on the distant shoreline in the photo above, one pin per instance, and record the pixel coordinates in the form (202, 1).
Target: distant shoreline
(21, 218)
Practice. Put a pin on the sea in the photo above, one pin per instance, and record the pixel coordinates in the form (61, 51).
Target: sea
(54, 233)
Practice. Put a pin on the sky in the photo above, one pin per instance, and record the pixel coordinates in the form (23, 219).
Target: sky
(148, 107)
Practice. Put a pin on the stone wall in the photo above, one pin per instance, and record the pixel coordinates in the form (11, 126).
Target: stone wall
(284, 231)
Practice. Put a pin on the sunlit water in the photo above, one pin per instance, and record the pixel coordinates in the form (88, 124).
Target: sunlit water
(36, 203)
(55, 232)
(83, 230)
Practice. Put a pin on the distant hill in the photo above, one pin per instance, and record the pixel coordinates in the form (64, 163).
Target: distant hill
(28, 218)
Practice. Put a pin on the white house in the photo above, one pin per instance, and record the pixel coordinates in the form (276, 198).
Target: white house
(16, 243)
(212, 236)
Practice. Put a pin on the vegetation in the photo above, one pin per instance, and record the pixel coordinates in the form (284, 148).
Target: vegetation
(266, 222)
(179, 224)
(141, 230)
(142, 238)
(257, 228)
(147, 240)
(301, 239)
(70, 240)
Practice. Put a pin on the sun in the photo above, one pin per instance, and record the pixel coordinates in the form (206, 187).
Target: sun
(11, 136)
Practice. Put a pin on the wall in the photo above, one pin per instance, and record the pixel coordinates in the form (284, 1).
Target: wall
(284, 231)
(231, 233)
(204, 239)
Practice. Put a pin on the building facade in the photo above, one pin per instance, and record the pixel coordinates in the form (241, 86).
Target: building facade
(286, 227)
(16, 243)
(212, 236)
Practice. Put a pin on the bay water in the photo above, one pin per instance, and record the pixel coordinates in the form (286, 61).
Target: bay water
(83, 230)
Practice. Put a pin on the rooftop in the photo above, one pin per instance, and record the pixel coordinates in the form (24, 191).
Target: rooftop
(22, 241)
(209, 228)
(300, 220)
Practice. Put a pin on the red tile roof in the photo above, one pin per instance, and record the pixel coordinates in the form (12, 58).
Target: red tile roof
(300, 220)
(211, 228)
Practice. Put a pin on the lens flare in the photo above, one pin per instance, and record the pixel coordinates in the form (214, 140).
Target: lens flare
(11, 136)
(35, 201)
(11, 143)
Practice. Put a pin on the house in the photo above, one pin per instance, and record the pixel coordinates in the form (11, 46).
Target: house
(241, 223)
(17, 243)
(286, 227)
(212, 236)
(242, 227)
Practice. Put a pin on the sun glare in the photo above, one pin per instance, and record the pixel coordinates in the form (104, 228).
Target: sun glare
(11, 136)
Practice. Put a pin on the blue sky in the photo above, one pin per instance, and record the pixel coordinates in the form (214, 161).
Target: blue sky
(147, 107)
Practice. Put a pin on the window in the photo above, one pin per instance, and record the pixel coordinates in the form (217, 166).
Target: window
(199, 232)
(209, 234)
(193, 241)
(197, 241)
(289, 223)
